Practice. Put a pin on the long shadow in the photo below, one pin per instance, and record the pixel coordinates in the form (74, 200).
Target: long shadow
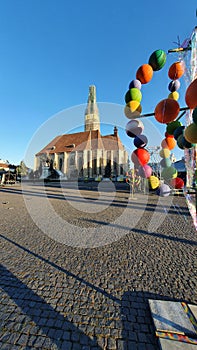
(68, 273)
(115, 203)
(33, 306)
(143, 232)
(137, 323)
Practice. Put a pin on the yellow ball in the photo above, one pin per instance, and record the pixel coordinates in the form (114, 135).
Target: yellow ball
(133, 109)
(190, 133)
(174, 95)
(164, 153)
(153, 182)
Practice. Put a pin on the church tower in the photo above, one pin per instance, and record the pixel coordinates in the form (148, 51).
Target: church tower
(92, 120)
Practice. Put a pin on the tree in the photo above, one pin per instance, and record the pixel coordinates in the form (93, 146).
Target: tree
(108, 170)
(22, 169)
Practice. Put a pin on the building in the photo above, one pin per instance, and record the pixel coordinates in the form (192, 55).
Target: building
(7, 172)
(87, 153)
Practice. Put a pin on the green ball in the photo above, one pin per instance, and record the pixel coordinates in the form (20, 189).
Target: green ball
(169, 173)
(180, 141)
(172, 126)
(133, 94)
(194, 115)
(187, 144)
(157, 59)
(165, 163)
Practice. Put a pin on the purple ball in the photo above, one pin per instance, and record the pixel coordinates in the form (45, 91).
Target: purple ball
(134, 128)
(145, 171)
(164, 190)
(174, 85)
(135, 84)
(140, 141)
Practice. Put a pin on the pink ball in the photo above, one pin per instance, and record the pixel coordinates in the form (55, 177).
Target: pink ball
(145, 171)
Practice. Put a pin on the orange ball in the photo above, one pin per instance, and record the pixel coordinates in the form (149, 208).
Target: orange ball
(144, 73)
(191, 95)
(176, 70)
(167, 110)
(168, 142)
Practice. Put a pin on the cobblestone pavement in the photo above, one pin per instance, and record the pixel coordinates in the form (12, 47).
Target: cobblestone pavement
(56, 296)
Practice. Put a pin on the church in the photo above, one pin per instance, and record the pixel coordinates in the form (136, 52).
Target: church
(87, 153)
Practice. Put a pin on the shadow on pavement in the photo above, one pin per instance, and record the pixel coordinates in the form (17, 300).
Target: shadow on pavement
(48, 321)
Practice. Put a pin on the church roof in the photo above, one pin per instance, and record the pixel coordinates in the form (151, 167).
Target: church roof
(112, 142)
(81, 141)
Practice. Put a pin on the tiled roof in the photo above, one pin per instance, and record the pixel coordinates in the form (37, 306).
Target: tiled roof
(81, 141)
(4, 165)
(112, 142)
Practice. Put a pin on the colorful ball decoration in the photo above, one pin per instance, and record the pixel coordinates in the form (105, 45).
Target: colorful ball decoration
(168, 142)
(133, 109)
(157, 60)
(180, 140)
(171, 127)
(174, 95)
(194, 115)
(133, 94)
(166, 110)
(191, 95)
(187, 144)
(174, 85)
(140, 156)
(153, 182)
(164, 153)
(176, 70)
(178, 131)
(164, 190)
(134, 128)
(168, 135)
(145, 171)
(165, 162)
(177, 183)
(190, 133)
(140, 141)
(144, 73)
(135, 84)
(169, 173)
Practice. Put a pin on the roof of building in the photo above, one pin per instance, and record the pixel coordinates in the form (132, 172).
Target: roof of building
(81, 141)
(4, 166)
(180, 165)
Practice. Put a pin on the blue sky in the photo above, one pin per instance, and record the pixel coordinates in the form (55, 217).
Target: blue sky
(51, 51)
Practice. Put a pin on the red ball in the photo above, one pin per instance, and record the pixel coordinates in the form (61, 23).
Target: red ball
(191, 95)
(140, 156)
(166, 110)
(177, 183)
(168, 135)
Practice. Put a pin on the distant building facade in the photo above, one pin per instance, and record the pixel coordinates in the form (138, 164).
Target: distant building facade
(87, 153)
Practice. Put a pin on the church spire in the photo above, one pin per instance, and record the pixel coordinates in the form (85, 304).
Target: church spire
(92, 120)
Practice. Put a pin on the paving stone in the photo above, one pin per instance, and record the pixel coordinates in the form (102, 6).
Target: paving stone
(70, 296)
(67, 345)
